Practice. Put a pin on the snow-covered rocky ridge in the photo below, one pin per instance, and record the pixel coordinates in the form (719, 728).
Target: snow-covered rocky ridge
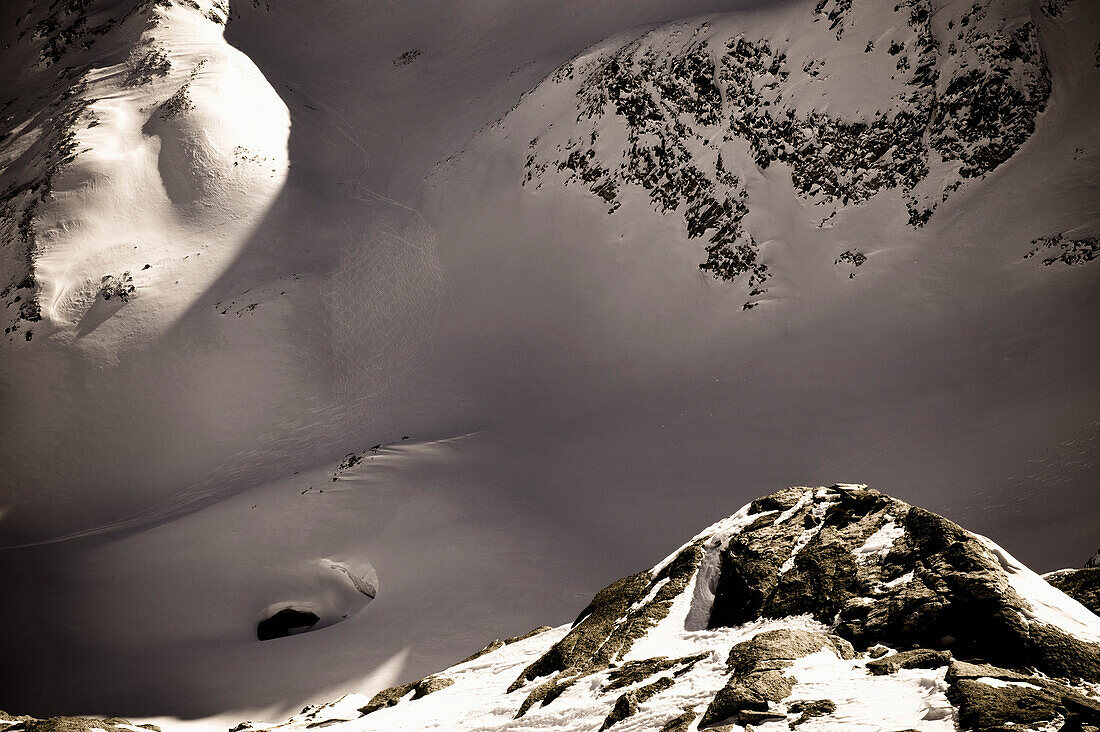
(834, 608)
(581, 366)
(857, 99)
(137, 150)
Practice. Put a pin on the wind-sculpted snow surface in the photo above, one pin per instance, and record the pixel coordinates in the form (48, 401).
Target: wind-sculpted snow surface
(813, 608)
(136, 145)
(682, 112)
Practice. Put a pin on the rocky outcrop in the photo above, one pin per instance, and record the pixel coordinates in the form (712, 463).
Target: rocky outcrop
(71, 724)
(627, 704)
(888, 573)
(881, 572)
(605, 630)
(680, 723)
(807, 710)
(757, 681)
(990, 698)
(916, 658)
(394, 694)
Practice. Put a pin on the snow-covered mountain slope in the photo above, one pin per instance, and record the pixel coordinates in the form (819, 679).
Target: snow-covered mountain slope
(914, 101)
(565, 375)
(833, 608)
(138, 153)
(139, 150)
(812, 608)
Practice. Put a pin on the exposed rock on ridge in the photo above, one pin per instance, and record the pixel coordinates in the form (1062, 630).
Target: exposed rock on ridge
(730, 629)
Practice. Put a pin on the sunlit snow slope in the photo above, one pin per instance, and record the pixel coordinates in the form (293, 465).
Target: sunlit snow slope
(461, 242)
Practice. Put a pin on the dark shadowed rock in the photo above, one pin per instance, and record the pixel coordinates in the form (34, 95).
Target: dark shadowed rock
(547, 692)
(430, 685)
(989, 698)
(632, 672)
(627, 704)
(679, 723)
(774, 650)
(386, 698)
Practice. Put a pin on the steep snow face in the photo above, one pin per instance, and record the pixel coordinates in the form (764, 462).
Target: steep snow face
(133, 194)
(140, 151)
(636, 660)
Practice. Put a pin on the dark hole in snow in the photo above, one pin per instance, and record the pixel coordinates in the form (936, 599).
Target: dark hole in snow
(287, 621)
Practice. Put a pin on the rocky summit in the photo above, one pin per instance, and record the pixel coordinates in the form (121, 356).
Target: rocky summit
(812, 608)
(835, 608)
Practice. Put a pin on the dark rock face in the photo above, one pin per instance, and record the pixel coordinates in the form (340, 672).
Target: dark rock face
(627, 704)
(807, 710)
(288, 621)
(1083, 585)
(605, 630)
(990, 698)
(679, 723)
(632, 672)
(70, 724)
(934, 585)
(1060, 248)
